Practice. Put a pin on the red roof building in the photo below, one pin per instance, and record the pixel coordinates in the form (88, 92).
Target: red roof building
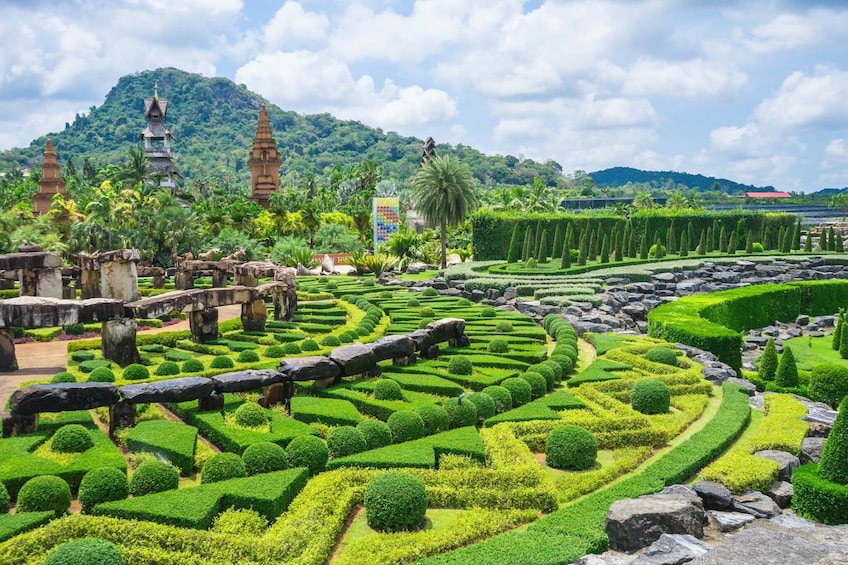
(769, 195)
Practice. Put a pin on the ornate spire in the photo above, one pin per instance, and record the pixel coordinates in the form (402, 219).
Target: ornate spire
(264, 161)
(51, 181)
(156, 90)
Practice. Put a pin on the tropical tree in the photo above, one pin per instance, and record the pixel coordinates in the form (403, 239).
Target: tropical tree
(443, 191)
(840, 202)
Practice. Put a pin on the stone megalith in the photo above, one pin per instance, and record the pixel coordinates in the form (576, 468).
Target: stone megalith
(119, 275)
(118, 341)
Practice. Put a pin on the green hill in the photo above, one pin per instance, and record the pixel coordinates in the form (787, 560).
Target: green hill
(214, 121)
(620, 176)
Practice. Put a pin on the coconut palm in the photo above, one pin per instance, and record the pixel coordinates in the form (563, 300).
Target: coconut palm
(443, 192)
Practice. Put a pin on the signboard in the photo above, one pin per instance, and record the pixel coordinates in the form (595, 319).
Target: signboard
(386, 219)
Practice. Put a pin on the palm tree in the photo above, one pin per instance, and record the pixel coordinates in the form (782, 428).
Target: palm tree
(443, 192)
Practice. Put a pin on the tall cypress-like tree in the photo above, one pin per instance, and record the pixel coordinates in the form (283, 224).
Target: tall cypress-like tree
(584, 248)
(690, 235)
(628, 238)
(741, 234)
(556, 246)
(671, 240)
(514, 253)
(565, 260)
(787, 242)
(684, 243)
(618, 246)
(839, 244)
(708, 241)
(768, 362)
(781, 235)
(605, 250)
(657, 247)
(767, 237)
(796, 236)
(526, 252)
(571, 236)
(787, 371)
(542, 250)
(643, 246)
(836, 338)
(749, 242)
(702, 243)
(537, 235)
(808, 243)
(722, 246)
(731, 243)
(843, 340)
(592, 249)
(831, 239)
(719, 235)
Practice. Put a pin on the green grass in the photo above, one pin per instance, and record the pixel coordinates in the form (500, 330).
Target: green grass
(812, 351)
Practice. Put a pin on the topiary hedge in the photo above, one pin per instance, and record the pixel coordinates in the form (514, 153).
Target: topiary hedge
(136, 372)
(498, 345)
(650, 396)
(344, 441)
(71, 438)
(484, 404)
(663, 355)
(538, 383)
(520, 390)
(435, 418)
(376, 433)
(406, 425)
(167, 368)
(387, 389)
(460, 365)
(461, 412)
(829, 383)
(395, 502)
(221, 467)
(308, 451)
(264, 457)
(85, 551)
(571, 447)
(153, 476)
(192, 366)
(5, 499)
(501, 397)
(42, 493)
(250, 415)
(101, 375)
(103, 484)
(222, 362)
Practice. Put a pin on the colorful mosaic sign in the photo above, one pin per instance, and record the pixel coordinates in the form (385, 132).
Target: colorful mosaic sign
(386, 219)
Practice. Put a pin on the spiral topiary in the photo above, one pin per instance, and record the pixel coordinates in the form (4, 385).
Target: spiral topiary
(250, 415)
(85, 551)
(395, 502)
(650, 396)
(663, 355)
(264, 457)
(309, 344)
(498, 345)
(344, 441)
(63, 377)
(5, 499)
(376, 433)
(484, 403)
(571, 447)
(43, 493)
(192, 366)
(221, 467)
(405, 425)
(101, 375)
(501, 397)
(519, 389)
(435, 418)
(136, 372)
(461, 412)
(153, 476)
(538, 384)
(103, 484)
(829, 383)
(71, 438)
(308, 451)
(460, 365)
(387, 389)
(167, 368)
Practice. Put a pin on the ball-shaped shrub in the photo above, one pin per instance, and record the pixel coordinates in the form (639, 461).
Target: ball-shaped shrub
(85, 551)
(461, 412)
(153, 476)
(167, 368)
(264, 457)
(331, 341)
(435, 418)
(829, 383)
(663, 355)
(484, 403)
(395, 502)
(564, 362)
(103, 484)
(221, 467)
(291, 348)
(498, 345)
(413, 303)
(430, 291)
(71, 438)
(376, 433)
(344, 441)
(222, 362)
(504, 327)
(101, 375)
(348, 336)
(571, 447)
(460, 365)
(5, 499)
(500, 396)
(550, 374)
(309, 344)
(427, 312)
(568, 350)
(43, 493)
(80, 356)
(650, 396)
(308, 451)
(192, 366)
(387, 389)
(520, 390)
(275, 352)
(757, 247)
(248, 356)
(422, 324)
(136, 372)
(538, 384)
(64, 377)
(405, 425)
(250, 415)
(488, 312)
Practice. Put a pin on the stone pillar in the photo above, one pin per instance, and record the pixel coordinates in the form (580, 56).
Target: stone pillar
(244, 279)
(158, 280)
(203, 324)
(121, 415)
(41, 282)
(253, 315)
(118, 341)
(183, 280)
(8, 359)
(15, 424)
(119, 275)
(89, 277)
(219, 278)
(288, 298)
(212, 403)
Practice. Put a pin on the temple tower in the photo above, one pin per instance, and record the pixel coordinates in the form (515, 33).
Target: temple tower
(264, 161)
(158, 140)
(428, 151)
(51, 180)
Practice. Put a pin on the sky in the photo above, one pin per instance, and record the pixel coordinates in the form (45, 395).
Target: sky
(754, 91)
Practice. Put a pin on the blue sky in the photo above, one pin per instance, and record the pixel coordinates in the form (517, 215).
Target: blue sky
(754, 91)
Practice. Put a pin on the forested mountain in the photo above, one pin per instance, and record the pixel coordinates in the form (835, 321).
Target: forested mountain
(620, 176)
(214, 121)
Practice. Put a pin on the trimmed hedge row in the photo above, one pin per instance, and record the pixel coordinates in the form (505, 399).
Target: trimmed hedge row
(175, 440)
(332, 412)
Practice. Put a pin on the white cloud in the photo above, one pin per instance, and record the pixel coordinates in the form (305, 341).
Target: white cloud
(292, 25)
(789, 31)
(837, 149)
(696, 78)
(808, 101)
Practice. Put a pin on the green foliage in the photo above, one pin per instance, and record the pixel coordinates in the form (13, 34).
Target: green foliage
(308, 451)
(387, 389)
(222, 362)
(344, 441)
(43, 493)
(427, 312)
(174, 441)
(250, 415)
(395, 501)
(329, 411)
(136, 372)
(488, 312)
(461, 413)
(662, 355)
(247, 356)
(167, 368)
(484, 403)
(331, 341)
(520, 390)
(829, 383)
(4, 499)
(223, 466)
(430, 292)
(571, 447)
(101, 375)
(290, 348)
(538, 384)
(71, 438)
(309, 344)
(501, 397)
(817, 498)
(833, 465)
(650, 396)
(153, 476)
(85, 551)
(460, 365)
(498, 345)
(264, 457)
(504, 327)
(406, 425)
(193, 366)
(435, 418)
(103, 484)
(768, 362)
(787, 371)
(64, 377)
(375, 432)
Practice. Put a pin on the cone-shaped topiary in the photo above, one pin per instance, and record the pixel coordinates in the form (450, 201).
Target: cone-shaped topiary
(395, 502)
(571, 447)
(650, 396)
(833, 465)
(787, 372)
(85, 551)
(837, 333)
(264, 457)
(768, 362)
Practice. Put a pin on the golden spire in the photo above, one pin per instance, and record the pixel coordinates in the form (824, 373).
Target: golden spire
(156, 90)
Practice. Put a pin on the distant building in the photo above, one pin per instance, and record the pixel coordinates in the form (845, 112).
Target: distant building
(766, 195)
(51, 182)
(264, 161)
(158, 140)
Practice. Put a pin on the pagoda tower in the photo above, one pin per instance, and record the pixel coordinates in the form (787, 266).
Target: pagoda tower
(428, 152)
(264, 161)
(51, 181)
(158, 140)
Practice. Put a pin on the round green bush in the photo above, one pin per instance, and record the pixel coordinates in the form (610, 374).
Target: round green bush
(376, 433)
(500, 396)
(460, 365)
(309, 344)
(85, 551)
(101, 375)
(192, 366)
(571, 447)
(80, 356)
(422, 324)
(291, 348)
(430, 291)
(463, 302)
(564, 362)
(427, 312)
(153, 476)
(275, 352)
(395, 502)
(484, 403)
(538, 384)
(519, 389)
(221, 467)
(488, 312)
(43, 493)
(363, 330)
(308, 451)
(344, 441)
(177, 356)
(550, 374)
(387, 389)
(250, 415)
(71, 438)
(461, 412)
(413, 303)
(331, 341)
(348, 336)
(222, 362)
(103, 484)
(64, 377)
(829, 383)
(650, 396)
(167, 368)
(435, 418)
(369, 283)
(568, 350)
(663, 355)
(5, 499)
(248, 356)
(264, 457)
(504, 327)
(405, 425)
(757, 247)
(136, 372)
(498, 345)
